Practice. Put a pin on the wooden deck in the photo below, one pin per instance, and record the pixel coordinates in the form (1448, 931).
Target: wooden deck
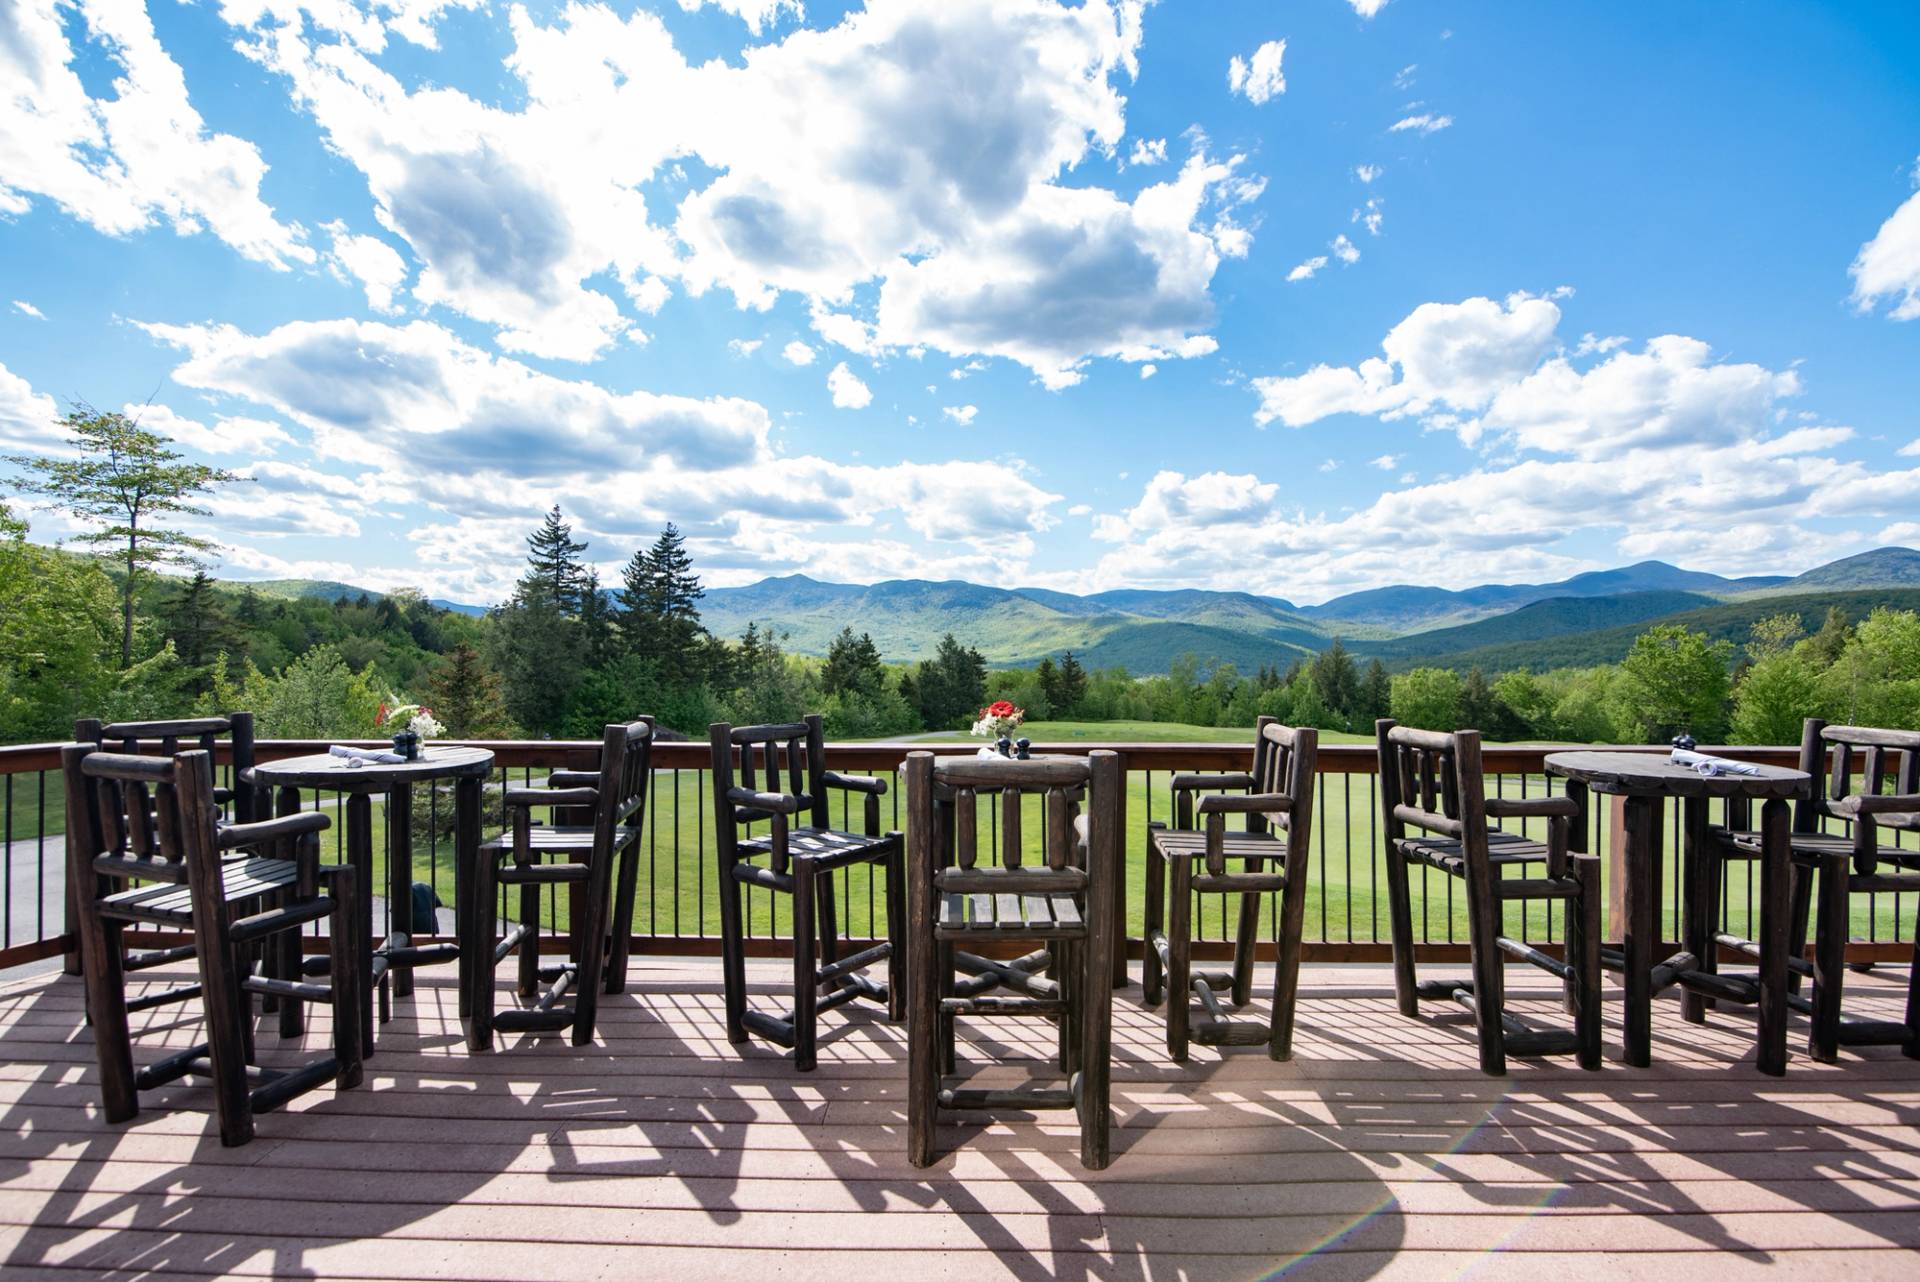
(662, 1152)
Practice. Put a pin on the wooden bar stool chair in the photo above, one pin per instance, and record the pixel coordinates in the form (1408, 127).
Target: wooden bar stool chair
(1067, 906)
(1435, 784)
(153, 820)
(238, 800)
(1276, 797)
(1847, 864)
(583, 858)
(801, 862)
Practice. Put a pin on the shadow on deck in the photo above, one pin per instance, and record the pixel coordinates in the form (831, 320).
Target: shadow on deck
(662, 1151)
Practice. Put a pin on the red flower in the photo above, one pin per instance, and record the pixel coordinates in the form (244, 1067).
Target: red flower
(1002, 708)
(380, 714)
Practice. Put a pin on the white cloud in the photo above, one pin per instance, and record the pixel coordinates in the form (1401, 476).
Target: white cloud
(797, 353)
(1425, 123)
(1344, 250)
(1149, 370)
(847, 158)
(1330, 465)
(1912, 448)
(1403, 78)
(757, 14)
(1888, 266)
(28, 418)
(1371, 215)
(1591, 344)
(25, 308)
(376, 265)
(1386, 462)
(849, 393)
(226, 436)
(1456, 355)
(1306, 269)
(1367, 8)
(1367, 173)
(1260, 77)
(961, 414)
(1147, 152)
(744, 346)
(141, 157)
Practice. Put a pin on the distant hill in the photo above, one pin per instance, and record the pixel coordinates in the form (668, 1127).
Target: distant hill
(299, 589)
(1410, 609)
(1732, 621)
(1540, 621)
(1589, 618)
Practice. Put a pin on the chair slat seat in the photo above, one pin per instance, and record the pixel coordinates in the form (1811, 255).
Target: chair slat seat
(1448, 854)
(171, 904)
(820, 844)
(1176, 843)
(557, 839)
(1044, 916)
(1813, 845)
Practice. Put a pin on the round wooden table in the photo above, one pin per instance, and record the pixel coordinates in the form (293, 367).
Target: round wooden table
(1645, 779)
(359, 780)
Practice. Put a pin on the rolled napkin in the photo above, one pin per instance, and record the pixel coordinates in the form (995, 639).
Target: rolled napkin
(1711, 766)
(361, 756)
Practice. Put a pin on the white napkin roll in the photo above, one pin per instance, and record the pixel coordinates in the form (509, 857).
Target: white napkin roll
(360, 756)
(1711, 766)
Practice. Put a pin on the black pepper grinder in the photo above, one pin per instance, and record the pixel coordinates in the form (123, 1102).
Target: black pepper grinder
(1020, 749)
(1684, 742)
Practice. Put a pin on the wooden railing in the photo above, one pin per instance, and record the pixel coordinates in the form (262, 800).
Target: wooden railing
(677, 909)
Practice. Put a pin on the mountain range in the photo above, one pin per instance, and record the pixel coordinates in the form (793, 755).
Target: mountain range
(1589, 618)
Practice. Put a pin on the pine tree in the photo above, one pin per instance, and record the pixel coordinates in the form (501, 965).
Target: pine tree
(1376, 695)
(638, 625)
(1333, 676)
(197, 623)
(1073, 686)
(1047, 675)
(596, 622)
(554, 567)
(466, 696)
(659, 610)
(951, 686)
(853, 665)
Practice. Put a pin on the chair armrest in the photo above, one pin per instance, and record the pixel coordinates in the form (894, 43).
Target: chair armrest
(528, 797)
(234, 836)
(855, 783)
(778, 803)
(574, 779)
(1868, 804)
(1428, 821)
(1190, 783)
(1243, 803)
(1532, 808)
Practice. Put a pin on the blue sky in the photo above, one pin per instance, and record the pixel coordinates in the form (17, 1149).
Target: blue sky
(1294, 298)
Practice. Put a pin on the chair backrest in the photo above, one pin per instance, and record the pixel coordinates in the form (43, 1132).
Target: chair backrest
(1433, 781)
(163, 738)
(139, 816)
(626, 771)
(943, 829)
(1284, 758)
(1829, 755)
(796, 750)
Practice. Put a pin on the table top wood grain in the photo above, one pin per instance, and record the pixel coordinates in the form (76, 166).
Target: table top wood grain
(1649, 774)
(323, 770)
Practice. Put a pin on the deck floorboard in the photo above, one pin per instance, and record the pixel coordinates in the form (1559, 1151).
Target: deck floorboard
(663, 1152)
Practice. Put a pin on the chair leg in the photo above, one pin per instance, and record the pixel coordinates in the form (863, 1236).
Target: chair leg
(1911, 1047)
(923, 1028)
(620, 930)
(1583, 954)
(1400, 917)
(1244, 941)
(485, 899)
(223, 1002)
(594, 948)
(1286, 971)
(1062, 967)
(826, 918)
(103, 970)
(343, 942)
(286, 952)
(1152, 976)
(806, 970)
(1489, 997)
(943, 979)
(1179, 957)
(1802, 902)
(897, 970)
(527, 985)
(733, 956)
(1830, 956)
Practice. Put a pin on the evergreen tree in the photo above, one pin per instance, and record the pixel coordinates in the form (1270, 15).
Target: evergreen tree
(636, 620)
(1827, 645)
(853, 665)
(660, 611)
(122, 478)
(596, 623)
(467, 698)
(1376, 695)
(197, 623)
(249, 613)
(952, 686)
(555, 571)
(1073, 686)
(1048, 677)
(1333, 676)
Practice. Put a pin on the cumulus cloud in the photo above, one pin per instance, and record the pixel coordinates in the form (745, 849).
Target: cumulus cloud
(744, 346)
(757, 14)
(140, 157)
(1344, 250)
(1456, 355)
(1367, 173)
(1258, 78)
(1367, 8)
(1425, 122)
(27, 418)
(376, 265)
(961, 414)
(1305, 270)
(1887, 268)
(797, 353)
(235, 435)
(25, 308)
(848, 392)
(1148, 152)
(843, 159)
